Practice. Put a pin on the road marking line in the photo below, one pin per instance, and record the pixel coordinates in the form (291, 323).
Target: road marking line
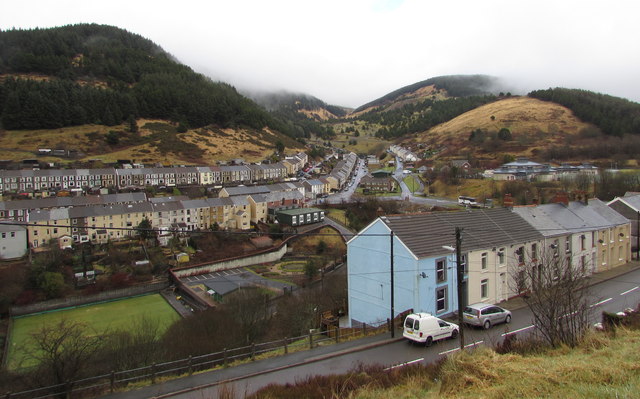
(601, 302)
(628, 291)
(457, 349)
(568, 314)
(518, 330)
(404, 364)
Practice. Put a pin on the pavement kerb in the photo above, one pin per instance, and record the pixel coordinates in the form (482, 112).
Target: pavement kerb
(306, 361)
(595, 279)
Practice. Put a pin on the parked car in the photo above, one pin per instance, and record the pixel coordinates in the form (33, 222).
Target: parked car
(485, 315)
(426, 328)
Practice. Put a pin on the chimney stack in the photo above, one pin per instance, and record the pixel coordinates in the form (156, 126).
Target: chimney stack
(507, 202)
(561, 198)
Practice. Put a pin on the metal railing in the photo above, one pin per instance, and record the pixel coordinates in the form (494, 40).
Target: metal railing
(92, 386)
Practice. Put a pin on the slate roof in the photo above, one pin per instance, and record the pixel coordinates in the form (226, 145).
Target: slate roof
(632, 201)
(62, 202)
(425, 234)
(299, 211)
(555, 219)
(246, 190)
(540, 220)
(221, 286)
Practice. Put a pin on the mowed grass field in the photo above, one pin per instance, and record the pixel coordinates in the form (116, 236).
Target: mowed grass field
(100, 318)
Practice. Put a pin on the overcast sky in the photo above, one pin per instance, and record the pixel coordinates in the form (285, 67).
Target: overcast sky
(350, 52)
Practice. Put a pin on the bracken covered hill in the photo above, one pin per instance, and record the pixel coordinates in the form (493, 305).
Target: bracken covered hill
(533, 124)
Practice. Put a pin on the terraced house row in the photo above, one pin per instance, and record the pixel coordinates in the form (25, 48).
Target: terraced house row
(48, 179)
(497, 245)
(101, 223)
(100, 218)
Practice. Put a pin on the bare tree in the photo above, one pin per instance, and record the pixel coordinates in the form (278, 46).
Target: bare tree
(62, 352)
(139, 346)
(249, 310)
(556, 293)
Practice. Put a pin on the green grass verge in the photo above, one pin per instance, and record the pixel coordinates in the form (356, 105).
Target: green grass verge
(103, 317)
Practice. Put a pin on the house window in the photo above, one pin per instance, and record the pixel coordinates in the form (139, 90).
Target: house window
(534, 251)
(593, 238)
(520, 253)
(554, 246)
(567, 244)
(463, 263)
(441, 270)
(441, 299)
(501, 256)
(484, 288)
(484, 261)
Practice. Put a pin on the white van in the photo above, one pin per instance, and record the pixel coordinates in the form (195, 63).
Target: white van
(425, 328)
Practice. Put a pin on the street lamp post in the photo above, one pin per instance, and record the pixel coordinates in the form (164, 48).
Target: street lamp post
(459, 281)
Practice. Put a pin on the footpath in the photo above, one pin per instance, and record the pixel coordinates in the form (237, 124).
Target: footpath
(216, 377)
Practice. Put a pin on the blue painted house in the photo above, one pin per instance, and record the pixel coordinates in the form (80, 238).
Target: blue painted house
(424, 272)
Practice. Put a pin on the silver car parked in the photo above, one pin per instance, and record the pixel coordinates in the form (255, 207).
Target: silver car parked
(485, 315)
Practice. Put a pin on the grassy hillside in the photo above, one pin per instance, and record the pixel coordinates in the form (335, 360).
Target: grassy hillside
(436, 88)
(603, 366)
(85, 74)
(155, 141)
(533, 124)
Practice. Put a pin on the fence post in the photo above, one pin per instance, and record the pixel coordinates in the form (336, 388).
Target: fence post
(364, 329)
(337, 334)
(224, 362)
(190, 365)
(153, 373)
(253, 351)
(68, 387)
(286, 349)
(310, 340)
(112, 381)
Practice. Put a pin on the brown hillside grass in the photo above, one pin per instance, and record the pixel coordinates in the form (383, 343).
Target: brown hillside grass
(407, 98)
(217, 144)
(522, 115)
(319, 114)
(534, 125)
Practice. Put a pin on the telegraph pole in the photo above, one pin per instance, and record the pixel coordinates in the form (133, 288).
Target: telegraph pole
(638, 235)
(393, 333)
(460, 274)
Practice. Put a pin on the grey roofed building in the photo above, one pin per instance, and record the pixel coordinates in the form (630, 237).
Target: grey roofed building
(239, 201)
(195, 203)
(426, 234)
(105, 210)
(13, 240)
(221, 286)
(574, 217)
(219, 201)
(45, 215)
(541, 220)
(246, 190)
(157, 200)
(63, 202)
(283, 195)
